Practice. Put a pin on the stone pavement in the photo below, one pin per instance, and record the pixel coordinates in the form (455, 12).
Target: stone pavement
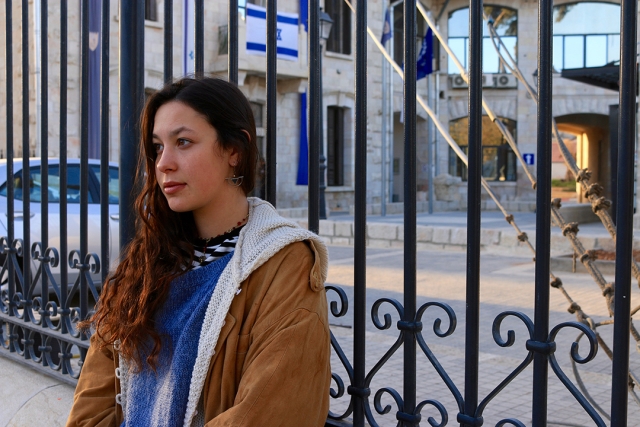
(30, 398)
(507, 284)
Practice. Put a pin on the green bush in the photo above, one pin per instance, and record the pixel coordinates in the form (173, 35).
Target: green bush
(563, 184)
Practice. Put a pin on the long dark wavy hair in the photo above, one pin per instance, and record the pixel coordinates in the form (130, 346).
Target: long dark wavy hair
(161, 247)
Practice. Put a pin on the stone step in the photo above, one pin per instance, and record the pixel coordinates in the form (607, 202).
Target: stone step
(391, 235)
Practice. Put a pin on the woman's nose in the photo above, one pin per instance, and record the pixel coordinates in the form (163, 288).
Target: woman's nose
(165, 162)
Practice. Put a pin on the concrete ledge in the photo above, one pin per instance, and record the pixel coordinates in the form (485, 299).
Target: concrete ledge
(385, 235)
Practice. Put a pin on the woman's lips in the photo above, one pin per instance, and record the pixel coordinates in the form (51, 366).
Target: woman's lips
(173, 187)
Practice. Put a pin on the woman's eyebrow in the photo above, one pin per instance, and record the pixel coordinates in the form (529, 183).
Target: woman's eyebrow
(175, 132)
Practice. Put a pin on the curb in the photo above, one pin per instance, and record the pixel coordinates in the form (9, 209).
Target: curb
(385, 235)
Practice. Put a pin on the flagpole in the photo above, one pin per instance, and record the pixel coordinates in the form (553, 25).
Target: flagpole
(430, 145)
(391, 109)
(385, 112)
(383, 205)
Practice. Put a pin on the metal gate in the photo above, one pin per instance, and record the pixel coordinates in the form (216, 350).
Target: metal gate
(38, 315)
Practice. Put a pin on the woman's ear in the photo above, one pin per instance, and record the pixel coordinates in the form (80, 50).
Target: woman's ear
(234, 157)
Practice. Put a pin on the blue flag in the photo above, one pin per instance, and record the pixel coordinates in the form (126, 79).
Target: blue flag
(386, 29)
(425, 57)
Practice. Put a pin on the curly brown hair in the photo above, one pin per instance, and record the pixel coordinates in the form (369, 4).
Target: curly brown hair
(161, 246)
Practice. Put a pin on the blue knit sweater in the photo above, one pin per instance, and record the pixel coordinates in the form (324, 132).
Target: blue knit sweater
(160, 398)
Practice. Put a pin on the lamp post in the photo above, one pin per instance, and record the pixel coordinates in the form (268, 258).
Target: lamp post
(325, 29)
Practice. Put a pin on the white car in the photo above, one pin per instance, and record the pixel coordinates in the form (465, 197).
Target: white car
(73, 210)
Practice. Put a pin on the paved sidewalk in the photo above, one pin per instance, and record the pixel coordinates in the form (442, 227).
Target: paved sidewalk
(30, 398)
(507, 284)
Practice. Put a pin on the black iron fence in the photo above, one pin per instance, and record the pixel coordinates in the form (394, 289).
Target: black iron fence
(39, 311)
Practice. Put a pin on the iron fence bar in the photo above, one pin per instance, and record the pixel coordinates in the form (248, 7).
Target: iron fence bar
(44, 151)
(232, 41)
(360, 217)
(64, 272)
(104, 143)
(624, 218)
(131, 92)
(26, 199)
(10, 189)
(199, 36)
(168, 40)
(313, 43)
(272, 67)
(472, 329)
(408, 325)
(84, 155)
(543, 215)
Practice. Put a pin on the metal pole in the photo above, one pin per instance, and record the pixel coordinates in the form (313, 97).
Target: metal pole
(26, 205)
(410, 188)
(624, 218)
(383, 145)
(199, 36)
(44, 145)
(10, 190)
(104, 136)
(131, 97)
(322, 184)
(232, 37)
(168, 40)
(360, 217)
(430, 150)
(437, 107)
(315, 124)
(543, 213)
(391, 107)
(272, 94)
(472, 329)
(64, 272)
(84, 157)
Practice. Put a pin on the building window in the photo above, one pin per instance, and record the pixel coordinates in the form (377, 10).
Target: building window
(498, 159)
(151, 10)
(505, 21)
(335, 146)
(585, 35)
(340, 37)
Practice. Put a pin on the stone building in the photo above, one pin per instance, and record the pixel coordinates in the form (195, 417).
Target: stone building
(586, 35)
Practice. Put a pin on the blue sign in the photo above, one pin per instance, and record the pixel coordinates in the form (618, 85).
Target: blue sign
(529, 158)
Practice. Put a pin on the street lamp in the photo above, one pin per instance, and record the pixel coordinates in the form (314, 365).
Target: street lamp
(325, 30)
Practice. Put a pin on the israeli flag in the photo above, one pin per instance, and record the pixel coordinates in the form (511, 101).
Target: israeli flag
(287, 33)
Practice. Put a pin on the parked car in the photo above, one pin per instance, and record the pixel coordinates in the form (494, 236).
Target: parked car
(73, 209)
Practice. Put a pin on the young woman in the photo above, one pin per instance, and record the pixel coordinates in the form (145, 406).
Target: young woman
(216, 314)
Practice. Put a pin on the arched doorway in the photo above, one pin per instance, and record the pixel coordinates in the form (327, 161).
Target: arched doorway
(589, 133)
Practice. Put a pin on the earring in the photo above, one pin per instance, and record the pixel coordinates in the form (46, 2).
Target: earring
(234, 180)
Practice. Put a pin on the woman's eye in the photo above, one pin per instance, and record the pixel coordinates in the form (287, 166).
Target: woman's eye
(182, 141)
(158, 147)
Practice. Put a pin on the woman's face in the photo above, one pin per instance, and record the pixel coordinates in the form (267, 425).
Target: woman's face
(191, 167)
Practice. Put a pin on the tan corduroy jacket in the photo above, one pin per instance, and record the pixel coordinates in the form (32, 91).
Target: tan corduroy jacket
(271, 362)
